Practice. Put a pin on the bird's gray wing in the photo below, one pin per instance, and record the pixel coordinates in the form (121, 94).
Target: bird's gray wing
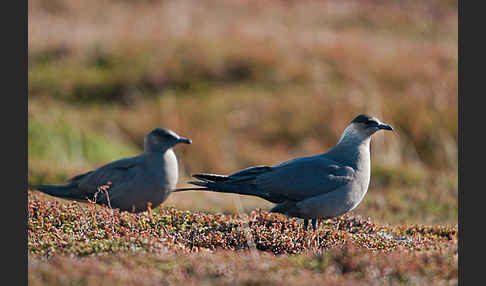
(248, 173)
(304, 177)
(115, 173)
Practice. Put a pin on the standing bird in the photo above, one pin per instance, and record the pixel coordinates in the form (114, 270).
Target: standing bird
(314, 187)
(129, 184)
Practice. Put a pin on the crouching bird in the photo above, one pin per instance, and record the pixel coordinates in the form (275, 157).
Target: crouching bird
(128, 184)
(311, 188)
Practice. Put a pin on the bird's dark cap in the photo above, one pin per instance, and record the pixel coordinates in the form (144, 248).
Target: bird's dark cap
(362, 118)
(162, 131)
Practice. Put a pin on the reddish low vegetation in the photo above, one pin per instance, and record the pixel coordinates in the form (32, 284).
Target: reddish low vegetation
(96, 245)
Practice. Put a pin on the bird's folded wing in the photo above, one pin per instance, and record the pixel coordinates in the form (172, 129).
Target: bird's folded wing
(305, 177)
(113, 174)
(249, 173)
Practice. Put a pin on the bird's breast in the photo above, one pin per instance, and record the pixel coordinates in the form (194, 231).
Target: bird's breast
(361, 182)
(170, 168)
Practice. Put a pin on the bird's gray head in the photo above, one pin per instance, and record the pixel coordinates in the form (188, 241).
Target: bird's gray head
(362, 127)
(160, 140)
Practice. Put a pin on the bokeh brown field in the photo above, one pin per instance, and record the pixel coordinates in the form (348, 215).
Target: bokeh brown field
(250, 82)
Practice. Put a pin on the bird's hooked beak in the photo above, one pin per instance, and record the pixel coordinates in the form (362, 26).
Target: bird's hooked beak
(184, 140)
(385, 126)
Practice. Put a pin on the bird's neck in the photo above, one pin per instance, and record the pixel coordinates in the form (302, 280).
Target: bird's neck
(159, 149)
(353, 151)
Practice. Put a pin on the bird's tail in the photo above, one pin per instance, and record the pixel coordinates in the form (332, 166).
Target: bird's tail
(68, 191)
(208, 182)
(218, 183)
(229, 184)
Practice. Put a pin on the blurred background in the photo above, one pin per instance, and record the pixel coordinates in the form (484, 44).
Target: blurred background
(251, 83)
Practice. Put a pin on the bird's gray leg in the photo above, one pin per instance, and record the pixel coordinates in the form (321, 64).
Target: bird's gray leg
(306, 224)
(314, 224)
